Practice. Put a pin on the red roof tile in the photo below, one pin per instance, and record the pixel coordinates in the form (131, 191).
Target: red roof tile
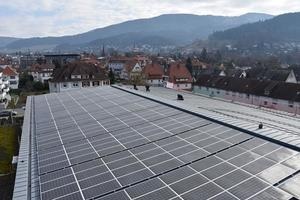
(178, 73)
(9, 71)
(153, 71)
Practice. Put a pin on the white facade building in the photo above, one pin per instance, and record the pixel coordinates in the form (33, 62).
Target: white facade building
(41, 73)
(12, 76)
(77, 75)
(4, 89)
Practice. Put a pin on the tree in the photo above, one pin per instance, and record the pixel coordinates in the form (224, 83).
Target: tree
(203, 55)
(189, 65)
(38, 86)
(25, 80)
(218, 56)
(111, 76)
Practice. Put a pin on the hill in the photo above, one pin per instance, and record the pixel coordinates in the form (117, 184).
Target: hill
(179, 28)
(6, 40)
(281, 29)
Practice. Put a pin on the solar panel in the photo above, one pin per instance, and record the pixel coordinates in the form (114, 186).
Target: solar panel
(104, 143)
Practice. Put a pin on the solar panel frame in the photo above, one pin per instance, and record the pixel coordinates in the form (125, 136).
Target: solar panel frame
(178, 141)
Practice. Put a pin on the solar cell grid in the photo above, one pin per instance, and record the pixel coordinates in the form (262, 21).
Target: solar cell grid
(106, 146)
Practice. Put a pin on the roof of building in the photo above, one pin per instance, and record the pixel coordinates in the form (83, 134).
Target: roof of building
(106, 143)
(79, 68)
(268, 74)
(9, 71)
(153, 71)
(196, 63)
(177, 71)
(129, 65)
(272, 89)
(41, 67)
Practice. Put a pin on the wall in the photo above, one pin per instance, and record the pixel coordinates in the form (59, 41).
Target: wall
(181, 86)
(60, 86)
(155, 82)
(13, 82)
(260, 101)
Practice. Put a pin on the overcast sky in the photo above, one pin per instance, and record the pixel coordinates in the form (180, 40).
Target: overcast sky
(26, 18)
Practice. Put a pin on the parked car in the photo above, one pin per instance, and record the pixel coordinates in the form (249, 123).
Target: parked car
(7, 113)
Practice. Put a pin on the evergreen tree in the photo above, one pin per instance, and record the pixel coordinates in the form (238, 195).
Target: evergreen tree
(189, 65)
(111, 76)
(203, 55)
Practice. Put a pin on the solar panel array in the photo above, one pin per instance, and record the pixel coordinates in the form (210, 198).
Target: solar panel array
(104, 143)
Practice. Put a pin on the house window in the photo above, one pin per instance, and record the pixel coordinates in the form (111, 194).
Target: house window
(85, 84)
(12, 82)
(151, 81)
(227, 93)
(186, 85)
(95, 83)
(265, 103)
(177, 85)
(65, 85)
(85, 76)
(75, 84)
(291, 104)
(207, 88)
(12, 77)
(218, 92)
(247, 96)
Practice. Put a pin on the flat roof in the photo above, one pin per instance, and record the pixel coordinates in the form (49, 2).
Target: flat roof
(116, 143)
(282, 124)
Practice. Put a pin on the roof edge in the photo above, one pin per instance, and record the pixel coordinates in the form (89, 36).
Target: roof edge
(22, 188)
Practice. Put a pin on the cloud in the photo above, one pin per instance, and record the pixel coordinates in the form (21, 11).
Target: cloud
(65, 17)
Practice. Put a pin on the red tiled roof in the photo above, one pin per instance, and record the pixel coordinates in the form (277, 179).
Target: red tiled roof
(153, 71)
(179, 71)
(9, 71)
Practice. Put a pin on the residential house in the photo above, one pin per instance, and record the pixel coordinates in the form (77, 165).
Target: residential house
(117, 65)
(4, 89)
(130, 66)
(197, 67)
(136, 75)
(41, 72)
(153, 74)
(272, 74)
(12, 76)
(277, 95)
(77, 75)
(179, 77)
